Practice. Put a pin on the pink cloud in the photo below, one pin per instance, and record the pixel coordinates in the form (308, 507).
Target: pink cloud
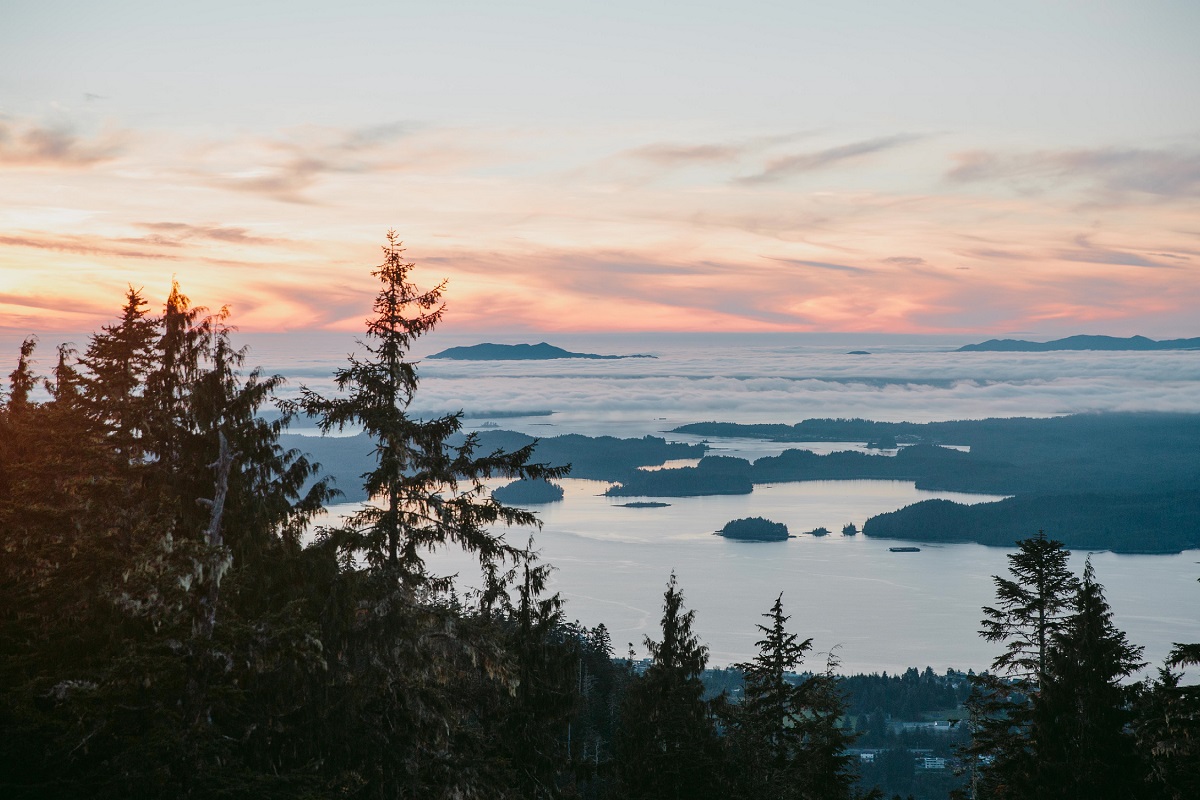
(29, 145)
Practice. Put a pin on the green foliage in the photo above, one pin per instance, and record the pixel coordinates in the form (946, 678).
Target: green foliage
(784, 736)
(429, 494)
(667, 744)
(1061, 727)
(125, 547)
(1031, 608)
(1080, 739)
(754, 529)
(1168, 730)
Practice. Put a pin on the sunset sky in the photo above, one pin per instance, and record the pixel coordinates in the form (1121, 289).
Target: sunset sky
(921, 166)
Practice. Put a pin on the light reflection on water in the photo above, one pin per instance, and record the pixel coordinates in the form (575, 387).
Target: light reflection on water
(881, 610)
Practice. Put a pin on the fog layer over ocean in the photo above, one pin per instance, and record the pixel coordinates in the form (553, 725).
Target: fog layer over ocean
(765, 378)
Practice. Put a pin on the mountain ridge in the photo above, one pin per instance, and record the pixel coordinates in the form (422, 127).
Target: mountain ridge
(542, 351)
(1080, 342)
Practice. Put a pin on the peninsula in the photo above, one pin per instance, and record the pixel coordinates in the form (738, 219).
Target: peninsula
(518, 352)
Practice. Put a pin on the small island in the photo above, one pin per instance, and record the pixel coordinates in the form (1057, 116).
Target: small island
(529, 492)
(822, 531)
(754, 529)
(517, 352)
(849, 529)
(643, 505)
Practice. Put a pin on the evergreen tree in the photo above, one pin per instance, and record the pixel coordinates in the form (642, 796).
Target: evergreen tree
(22, 380)
(411, 669)
(784, 736)
(532, 730)
(120, 676)
(1081, 743)
(1032, 608)
(1168, 727)
(65, 388)
(766, 729)
(430, 494)
(117, 362)
(185, 346)
(667, 743)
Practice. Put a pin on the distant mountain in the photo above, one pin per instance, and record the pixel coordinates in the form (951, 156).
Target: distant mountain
(517, 352)
(1081, 343)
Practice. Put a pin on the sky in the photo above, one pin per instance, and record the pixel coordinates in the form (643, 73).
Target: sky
(1018, 168)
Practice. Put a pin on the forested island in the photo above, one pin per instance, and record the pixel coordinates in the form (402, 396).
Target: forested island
(754, 529)
(538, 491)
(518, 352)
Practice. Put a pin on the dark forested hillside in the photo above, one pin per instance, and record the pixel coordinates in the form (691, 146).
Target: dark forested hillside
(1152, 522)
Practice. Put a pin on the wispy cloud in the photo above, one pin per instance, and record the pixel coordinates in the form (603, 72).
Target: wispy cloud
(288, 167)
(53, 302)
(1089, 253)
(177, 232)
(285, 181)
(29, 145)
(672, 155)
(788, 166)
(822, 265)
(1171, 173)
(87, 245)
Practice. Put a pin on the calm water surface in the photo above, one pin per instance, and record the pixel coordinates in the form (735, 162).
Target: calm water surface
(876, 609)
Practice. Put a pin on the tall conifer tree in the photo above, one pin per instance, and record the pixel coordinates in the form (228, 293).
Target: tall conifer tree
(1081, 744)
(667, 745)
(408, 671)
(784, 735)
(429, 494)
(1033, 606)
(117, 362)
